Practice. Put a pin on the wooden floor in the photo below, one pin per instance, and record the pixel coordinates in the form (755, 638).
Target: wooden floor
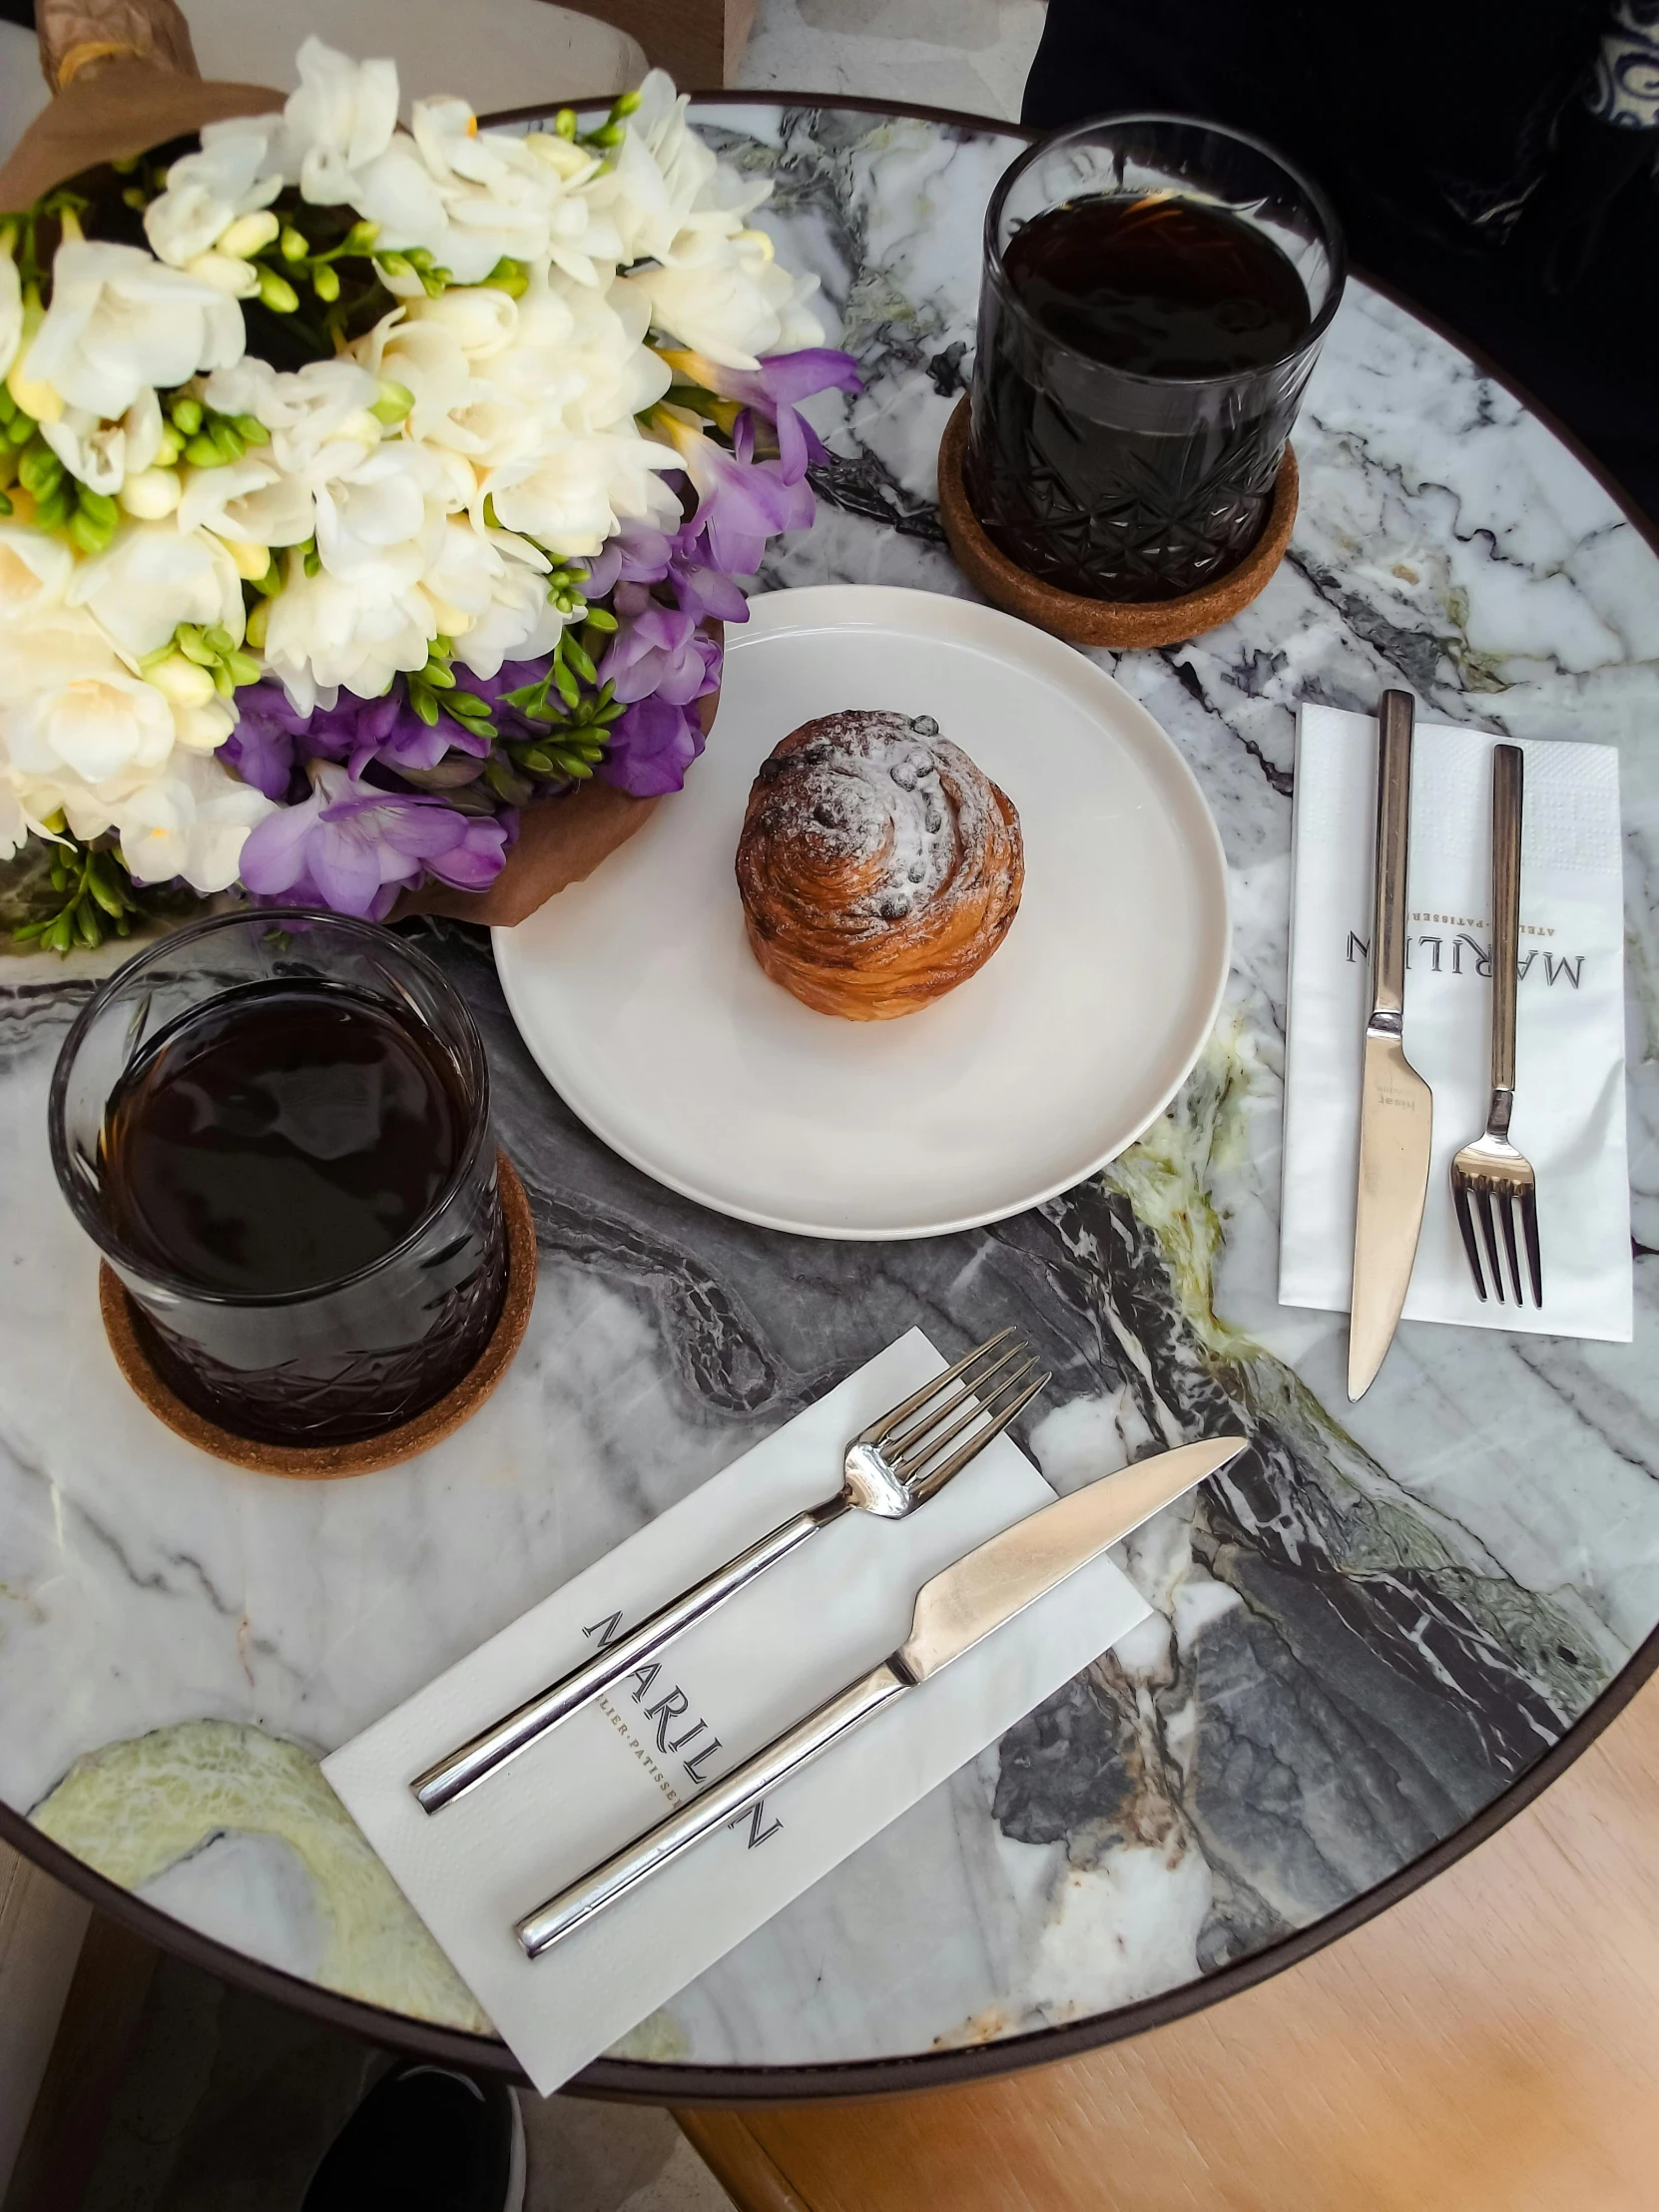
(1491, 2044)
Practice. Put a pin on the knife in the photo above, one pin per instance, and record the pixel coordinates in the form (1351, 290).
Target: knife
(1396, 1108)
(957, 1609)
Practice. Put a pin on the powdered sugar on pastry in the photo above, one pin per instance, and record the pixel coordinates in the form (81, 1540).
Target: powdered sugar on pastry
(879, 866)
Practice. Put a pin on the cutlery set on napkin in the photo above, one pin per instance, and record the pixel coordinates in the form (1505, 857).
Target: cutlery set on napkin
(538, 1803)
(1465, 1035)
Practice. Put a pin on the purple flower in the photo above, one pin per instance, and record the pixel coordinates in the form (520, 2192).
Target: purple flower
(772, 390)
(636, 555)
(652, 745)
(352, 847)
(260, 747)
(703, 591)
(745, 502)
(658, 650)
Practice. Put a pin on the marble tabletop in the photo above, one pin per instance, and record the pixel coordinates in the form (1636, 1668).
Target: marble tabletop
(1357, 1647)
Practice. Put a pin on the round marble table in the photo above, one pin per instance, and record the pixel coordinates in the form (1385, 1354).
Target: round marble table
(1364, 1654)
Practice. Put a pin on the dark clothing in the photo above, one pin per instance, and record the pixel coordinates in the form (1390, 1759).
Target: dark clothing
(1495, 163)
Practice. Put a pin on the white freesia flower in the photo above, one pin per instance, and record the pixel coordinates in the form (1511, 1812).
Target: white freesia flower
(482, 320)
(14, 822)
(487, 590)
(304, 409)
(120, 322)
(11, 312)
(101, 456)
(326, 634)
(377, 517)
(232, 175)
(497, 197)
(581, 488)
(667, 181)
(246, 502)
(152, 577)
(731, 302)
(98, 725)
(34, 574)
(339, 122)
(193, 822)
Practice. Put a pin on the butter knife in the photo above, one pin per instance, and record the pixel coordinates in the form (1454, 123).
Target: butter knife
(1396, 1109)
(957, 1609)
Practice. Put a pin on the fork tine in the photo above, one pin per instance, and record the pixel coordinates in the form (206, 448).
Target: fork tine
(931, 1416)
(1509, 1202)
(911, 1462)
(1483, 1199)
(937, 1478)
(889, 1419)
(1529, 1230)
(1466, 1221)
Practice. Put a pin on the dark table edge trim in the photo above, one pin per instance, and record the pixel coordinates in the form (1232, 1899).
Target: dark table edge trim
(641, 2081)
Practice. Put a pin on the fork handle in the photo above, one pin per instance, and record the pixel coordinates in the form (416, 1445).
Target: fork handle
(462, 1770)
(1508, 785)
(722, 1802)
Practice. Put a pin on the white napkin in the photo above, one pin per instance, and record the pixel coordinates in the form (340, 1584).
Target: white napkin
(1569, 1056)
(805, 1629)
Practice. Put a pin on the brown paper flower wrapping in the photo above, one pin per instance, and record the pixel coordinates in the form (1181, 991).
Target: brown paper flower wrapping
(124, 75)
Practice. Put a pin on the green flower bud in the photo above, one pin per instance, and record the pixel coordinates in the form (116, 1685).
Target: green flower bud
(89, 536)
(608, 134)
(326, 284)
(20, 429)
(194, 646)
(227, 438)
(277, 293)
(564, 122)
(628, 104)
(251, 429)
(257, 619)
(395, 264)
(98, 505)
(242, 668)
(40, 471)
(201, 452)
(187, 415)
(218, 639)
(395, 402)
(292, 245)
(134, 198)
(360, 238)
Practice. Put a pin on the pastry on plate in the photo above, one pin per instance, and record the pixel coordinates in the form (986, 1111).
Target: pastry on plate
(879, 866)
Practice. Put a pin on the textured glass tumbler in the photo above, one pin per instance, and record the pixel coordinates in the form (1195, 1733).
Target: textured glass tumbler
(341, 1359)
(1110, 483)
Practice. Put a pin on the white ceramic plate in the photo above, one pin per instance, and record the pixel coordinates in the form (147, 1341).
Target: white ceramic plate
(641, 1000)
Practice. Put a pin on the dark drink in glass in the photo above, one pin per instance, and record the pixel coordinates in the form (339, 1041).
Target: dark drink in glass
(277, 1128)
(1154, 298)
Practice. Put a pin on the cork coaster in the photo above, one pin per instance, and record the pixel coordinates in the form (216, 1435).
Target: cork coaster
(1114, 622)
(327, 1462)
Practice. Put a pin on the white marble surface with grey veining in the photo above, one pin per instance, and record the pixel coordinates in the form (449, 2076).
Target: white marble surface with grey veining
(1359, 1642)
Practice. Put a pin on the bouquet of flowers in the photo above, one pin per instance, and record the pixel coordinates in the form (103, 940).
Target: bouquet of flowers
(362, 486)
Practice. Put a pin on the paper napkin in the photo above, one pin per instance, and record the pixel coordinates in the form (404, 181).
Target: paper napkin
(807, 1628)
(1569, 1077)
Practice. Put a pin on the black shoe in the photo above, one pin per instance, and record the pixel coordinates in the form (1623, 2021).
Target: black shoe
(426, 2138)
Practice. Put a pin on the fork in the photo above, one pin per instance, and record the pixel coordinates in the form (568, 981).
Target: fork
(1489, 1176)
(890, 1468)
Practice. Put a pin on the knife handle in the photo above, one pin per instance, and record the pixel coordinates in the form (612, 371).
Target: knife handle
(720, 1803)
(1508, 787)
(1393, 826)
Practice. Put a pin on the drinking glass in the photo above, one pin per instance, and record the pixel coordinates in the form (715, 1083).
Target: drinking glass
(1114, 485)
(340, 1360)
